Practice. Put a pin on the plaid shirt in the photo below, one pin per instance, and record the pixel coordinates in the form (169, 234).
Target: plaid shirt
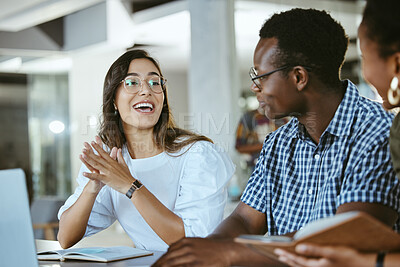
(297, 181)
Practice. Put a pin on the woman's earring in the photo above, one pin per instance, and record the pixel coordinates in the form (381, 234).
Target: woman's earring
(394, 89)
(115, 110)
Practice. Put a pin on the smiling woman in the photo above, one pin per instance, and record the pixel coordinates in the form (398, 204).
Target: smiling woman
(161, 182)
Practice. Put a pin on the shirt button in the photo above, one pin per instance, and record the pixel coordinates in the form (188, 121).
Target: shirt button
(309, 191)
(316, 156)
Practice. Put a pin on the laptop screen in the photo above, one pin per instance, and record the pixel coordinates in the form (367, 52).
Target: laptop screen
(17, 244)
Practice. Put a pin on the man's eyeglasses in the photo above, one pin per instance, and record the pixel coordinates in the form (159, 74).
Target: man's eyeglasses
(134, 84)
(256, 79)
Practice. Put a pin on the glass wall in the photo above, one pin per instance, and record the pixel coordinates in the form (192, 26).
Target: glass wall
(48, 119)
(14, 140)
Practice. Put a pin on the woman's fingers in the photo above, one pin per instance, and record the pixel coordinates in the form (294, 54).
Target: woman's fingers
(316, 251)
(89, 151)
(94, 176)
(101, 151)
(98, 161)
(95, 161)
(113, 153)
(90, 167)
(98, 140)
(121, 158)
(113, 170)
(293, 260)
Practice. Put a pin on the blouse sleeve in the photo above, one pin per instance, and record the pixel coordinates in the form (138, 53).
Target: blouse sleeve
(102, 215)
(202, 190)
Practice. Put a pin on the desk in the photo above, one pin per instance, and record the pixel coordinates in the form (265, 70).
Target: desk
(142, 261)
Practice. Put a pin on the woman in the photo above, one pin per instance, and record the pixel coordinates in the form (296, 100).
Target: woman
(379, 35)
(160, 182)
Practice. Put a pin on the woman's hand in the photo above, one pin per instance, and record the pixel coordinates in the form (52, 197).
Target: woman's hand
(92, 186)
(107, 169)
(325, 256)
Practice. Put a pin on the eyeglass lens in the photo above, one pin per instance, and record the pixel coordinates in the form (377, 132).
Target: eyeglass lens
(253, 73)
(134, 84)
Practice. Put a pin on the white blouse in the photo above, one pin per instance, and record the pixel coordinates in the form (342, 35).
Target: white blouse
(193, 186)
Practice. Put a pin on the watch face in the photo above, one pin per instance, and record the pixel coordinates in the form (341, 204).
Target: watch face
(135, 185)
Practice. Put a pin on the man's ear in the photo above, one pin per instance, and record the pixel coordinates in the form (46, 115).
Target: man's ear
(300, 76)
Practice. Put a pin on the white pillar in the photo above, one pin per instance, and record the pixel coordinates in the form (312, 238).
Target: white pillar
(214, 74)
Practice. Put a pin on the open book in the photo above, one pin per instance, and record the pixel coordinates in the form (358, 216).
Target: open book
(101, 254)
(355, 229)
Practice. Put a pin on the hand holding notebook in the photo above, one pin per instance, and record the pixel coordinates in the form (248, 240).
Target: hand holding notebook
(354, 229)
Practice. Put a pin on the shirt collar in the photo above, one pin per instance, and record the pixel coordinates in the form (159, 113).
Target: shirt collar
(340, 125)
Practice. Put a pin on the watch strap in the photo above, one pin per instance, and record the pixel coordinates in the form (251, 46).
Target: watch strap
(380, 258)
(135, 185)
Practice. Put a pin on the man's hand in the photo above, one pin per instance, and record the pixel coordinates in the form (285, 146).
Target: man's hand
(197, 252)
(219, 249)
(214, 253)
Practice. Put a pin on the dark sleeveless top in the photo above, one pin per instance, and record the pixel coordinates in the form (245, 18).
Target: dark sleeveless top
(395, 144)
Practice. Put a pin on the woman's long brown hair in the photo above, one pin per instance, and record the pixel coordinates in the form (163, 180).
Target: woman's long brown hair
(167, 136)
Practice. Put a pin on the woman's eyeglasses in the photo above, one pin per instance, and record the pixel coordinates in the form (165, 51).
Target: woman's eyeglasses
(134, 84)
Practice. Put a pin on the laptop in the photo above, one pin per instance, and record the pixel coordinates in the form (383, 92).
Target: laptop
(17, 244)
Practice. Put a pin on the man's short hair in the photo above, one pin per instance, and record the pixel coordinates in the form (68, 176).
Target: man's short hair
(308, 37)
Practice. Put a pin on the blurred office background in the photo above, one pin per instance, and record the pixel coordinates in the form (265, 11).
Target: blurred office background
(54, 55)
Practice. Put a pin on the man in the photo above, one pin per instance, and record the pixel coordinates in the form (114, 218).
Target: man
(332, 157)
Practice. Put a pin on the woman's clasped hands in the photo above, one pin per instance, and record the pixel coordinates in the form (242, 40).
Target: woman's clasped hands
(106, 169)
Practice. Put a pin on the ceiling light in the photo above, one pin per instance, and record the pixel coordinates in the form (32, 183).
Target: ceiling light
(56, 127)
(11, 65)
(42, 12)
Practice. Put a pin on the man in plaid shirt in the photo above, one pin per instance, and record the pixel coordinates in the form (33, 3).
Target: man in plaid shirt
(332, 157)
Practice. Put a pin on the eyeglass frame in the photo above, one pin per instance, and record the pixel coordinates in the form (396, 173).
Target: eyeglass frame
(252, 69)
(144, 81)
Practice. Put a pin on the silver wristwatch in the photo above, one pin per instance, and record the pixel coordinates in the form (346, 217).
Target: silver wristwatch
(135, 185)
